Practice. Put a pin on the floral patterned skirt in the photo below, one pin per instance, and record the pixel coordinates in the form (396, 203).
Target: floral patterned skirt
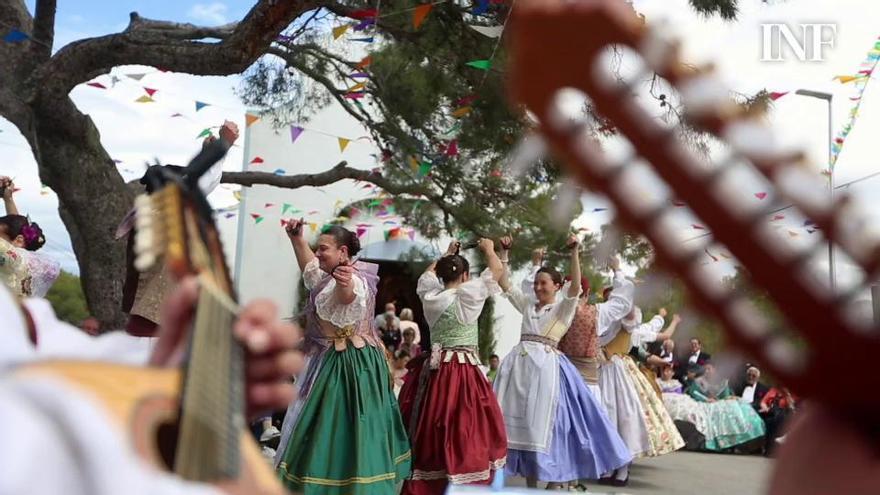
(662, 433)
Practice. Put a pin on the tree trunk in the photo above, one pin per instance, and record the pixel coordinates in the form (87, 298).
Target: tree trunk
(92, 199)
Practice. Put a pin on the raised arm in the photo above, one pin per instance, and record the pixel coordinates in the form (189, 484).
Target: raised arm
(619, 304)
(8, 188)
(574, 290)
(670, 330)
(492, 259)
(304, 253)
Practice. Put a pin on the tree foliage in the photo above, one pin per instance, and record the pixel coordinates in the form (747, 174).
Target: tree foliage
(68, 300)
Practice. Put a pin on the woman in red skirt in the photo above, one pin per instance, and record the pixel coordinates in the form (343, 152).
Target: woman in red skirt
(454, 421)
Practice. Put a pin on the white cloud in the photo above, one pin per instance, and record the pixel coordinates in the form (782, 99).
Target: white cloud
(211, 13)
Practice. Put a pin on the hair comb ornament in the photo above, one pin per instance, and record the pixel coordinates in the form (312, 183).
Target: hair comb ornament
(827, 336)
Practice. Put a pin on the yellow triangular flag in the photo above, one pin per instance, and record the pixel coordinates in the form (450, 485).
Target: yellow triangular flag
(845, 79)
(343, 143)
(461, 112)
(357, 87)
(250, 118)
(340, 30)
(413, 164)
(145, 99)
(314, 227)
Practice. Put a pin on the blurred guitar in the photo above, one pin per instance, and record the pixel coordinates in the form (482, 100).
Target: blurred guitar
(557, 44)
(191, 421)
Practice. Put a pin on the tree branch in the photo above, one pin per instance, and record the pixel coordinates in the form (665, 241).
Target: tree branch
(169, 46)
(44, 28)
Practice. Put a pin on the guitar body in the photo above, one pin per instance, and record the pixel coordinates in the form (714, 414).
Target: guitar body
(144, 403)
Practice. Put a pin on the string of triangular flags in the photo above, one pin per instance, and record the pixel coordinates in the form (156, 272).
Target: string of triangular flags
(860, 81)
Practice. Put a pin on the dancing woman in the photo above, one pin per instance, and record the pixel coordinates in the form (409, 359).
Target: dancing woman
(557, 431)
(343, 434)
(27, 272)
(455, 424)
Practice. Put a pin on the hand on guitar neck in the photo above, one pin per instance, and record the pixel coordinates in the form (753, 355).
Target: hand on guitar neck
(271, 359)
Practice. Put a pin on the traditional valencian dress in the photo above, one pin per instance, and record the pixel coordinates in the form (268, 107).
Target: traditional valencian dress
(453, 417)
(642, 419)
(557, 430)
(27, 273)
(343, 434)
(725, 423)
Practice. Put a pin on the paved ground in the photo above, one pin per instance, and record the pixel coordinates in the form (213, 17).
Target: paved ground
(688, 473)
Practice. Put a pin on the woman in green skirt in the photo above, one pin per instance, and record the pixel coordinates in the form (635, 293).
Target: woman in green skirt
(343, 434)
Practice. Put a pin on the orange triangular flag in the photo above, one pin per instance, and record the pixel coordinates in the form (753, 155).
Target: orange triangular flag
(343, 143)
(461, 112)
(250, 118)
(420, 13)
(365, 62)
(145, 99)
(340, 30)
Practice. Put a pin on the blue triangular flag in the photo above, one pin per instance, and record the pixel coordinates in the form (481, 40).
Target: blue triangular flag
(15, 36)
(200, 105)
(279, 171)
(364, 40)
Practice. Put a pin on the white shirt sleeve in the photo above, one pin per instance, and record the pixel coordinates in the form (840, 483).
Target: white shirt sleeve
(211, 179)
(647, 332)
(567, 306)
(619, 305)
(472, 296)
(429, 283)
(312, 274)
(527, 286)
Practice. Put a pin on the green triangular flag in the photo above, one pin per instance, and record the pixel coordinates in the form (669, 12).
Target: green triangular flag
(387, 234)
(259, 219)
(285, 207)
(424, 168)
(204, 133)
(480, 64)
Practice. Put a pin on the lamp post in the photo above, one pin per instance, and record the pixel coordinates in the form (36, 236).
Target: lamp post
(828, 97)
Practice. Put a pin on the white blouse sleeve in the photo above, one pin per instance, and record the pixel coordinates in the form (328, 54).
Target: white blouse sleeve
(617, 307)
(527, 286)
(429, 283)
(567, 306)
(312, 274)
(647, 332)
(338, 314)
(473, 294)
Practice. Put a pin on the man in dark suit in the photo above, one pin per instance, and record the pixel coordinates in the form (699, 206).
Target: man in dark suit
(752, 391)
(696, 357)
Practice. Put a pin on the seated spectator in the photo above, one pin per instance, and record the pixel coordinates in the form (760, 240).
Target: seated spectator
(752, 391)
(776, 407)
(695, 356)
(388, 325)
(409, 345)
(398, 370)
(710, 387)
(91, 326)
(667, 351)
(494, 361)
(406, 321)
(690, 375)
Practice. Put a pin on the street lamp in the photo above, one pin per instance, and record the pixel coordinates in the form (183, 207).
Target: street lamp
(828, 97)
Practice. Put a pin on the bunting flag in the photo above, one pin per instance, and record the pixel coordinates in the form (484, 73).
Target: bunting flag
(495, 173)
(412, 234)
(205, 132)
(269, 205)
(466, 100)
(359, 75)
(775, 95)
(488, 31)
(356, 95)
(176, 114)
(698, 227)
(257, 217)
(237, 195)
(424, 169)
(250, 119)
(452, 148)
(145, 99)
(357, 87)
(150, 91)
(96, 85)
(777, 218)
(340, 30)
(295, 132)
(343, 143)
(200, 105)
(678, 204)
(861, 83)
(136, 77)
(229, 215)
(420, 13)
(314, 227)
(363, 40)
(15, 36)
(362, 14)
(288, 207)
(597, 210)
(361, 231)
(461, 112)
(363, 25)
(279, 171)
(257, 160)
(480, 64)
(760, 195)
(366, 61)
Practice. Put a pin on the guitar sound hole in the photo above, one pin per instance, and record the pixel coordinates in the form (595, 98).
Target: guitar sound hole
(166, 442)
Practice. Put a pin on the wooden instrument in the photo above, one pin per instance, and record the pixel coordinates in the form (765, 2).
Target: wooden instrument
(557, 44)
(190, 422)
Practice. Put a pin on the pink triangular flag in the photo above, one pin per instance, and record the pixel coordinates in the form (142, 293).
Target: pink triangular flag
(150, 91)
(760, 195)
(777, 95)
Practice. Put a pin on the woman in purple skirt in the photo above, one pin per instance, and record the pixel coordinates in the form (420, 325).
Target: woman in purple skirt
(557, 430)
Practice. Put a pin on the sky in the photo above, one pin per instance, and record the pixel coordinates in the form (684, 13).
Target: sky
(135, 133)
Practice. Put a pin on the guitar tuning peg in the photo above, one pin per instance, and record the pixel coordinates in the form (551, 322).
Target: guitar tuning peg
(144, 261)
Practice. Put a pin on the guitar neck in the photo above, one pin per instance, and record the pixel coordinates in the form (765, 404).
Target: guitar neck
(211, 418)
